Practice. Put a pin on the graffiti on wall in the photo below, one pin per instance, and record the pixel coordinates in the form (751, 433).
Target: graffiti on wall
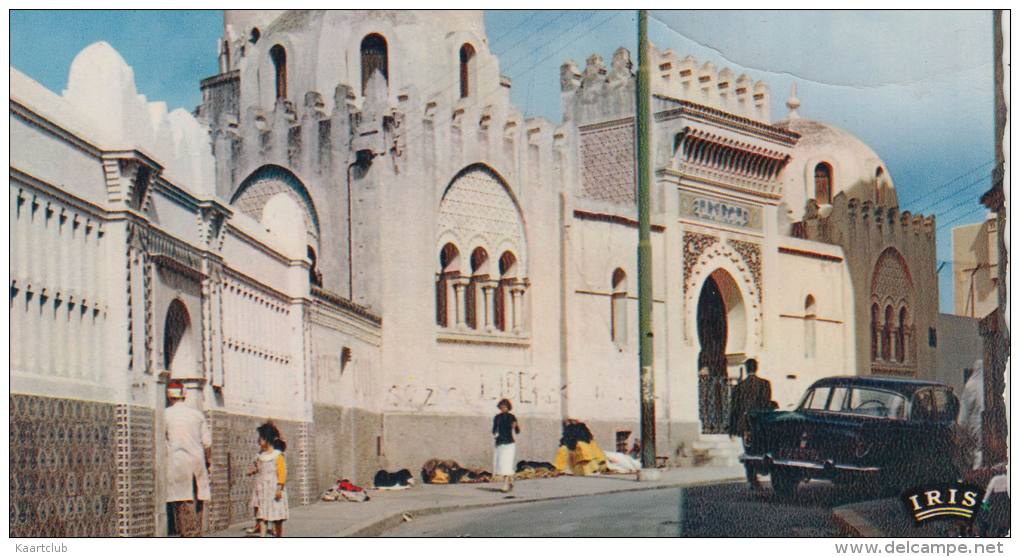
(522, 387)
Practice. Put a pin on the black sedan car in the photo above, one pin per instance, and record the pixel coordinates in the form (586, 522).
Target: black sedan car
(891, 432)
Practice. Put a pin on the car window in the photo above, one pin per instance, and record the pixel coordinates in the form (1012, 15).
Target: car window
(946, 405)
(872, 402)
(935, 405)
(839, 399)
(815, 399)
(923, 407)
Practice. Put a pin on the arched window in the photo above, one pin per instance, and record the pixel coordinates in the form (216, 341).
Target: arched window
(374, 57)
(279, 57)
(887, 334)
(255, 35)
(507, 275)
(823, 183)
(479, 273)
(179, 355)
(809, 327)
(314, 275)
(467, 56)
(879, 171)
(901, 337)
(618, 308)
(449, 268)
(875, 332)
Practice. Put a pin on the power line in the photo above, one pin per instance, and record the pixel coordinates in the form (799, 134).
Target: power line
(954, 193)
(945, 184)
(959, 218)
(514, 28)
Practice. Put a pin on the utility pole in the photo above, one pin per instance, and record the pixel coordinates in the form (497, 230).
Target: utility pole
(644, 255)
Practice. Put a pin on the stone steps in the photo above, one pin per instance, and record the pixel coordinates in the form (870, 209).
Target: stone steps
(717, 450)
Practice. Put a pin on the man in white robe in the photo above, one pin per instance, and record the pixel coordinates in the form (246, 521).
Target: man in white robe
(972, 404)
(189, 446)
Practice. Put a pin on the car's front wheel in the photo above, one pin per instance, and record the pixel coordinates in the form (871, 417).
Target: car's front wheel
(784, 483)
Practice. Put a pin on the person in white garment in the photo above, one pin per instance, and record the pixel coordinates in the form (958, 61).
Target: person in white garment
(972, 404)
(504, 426)
(189, 447)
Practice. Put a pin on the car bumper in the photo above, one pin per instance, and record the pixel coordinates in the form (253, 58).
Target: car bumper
(766, 463)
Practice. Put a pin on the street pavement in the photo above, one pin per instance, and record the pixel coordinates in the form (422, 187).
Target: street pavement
(723, 510)
(387, 509)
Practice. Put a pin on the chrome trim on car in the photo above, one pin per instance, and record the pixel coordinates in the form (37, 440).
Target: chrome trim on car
(808, 465)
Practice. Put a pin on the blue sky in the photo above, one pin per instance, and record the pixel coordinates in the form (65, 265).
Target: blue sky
(916, 86)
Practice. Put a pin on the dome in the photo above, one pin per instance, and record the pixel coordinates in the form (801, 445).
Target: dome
(829, 156)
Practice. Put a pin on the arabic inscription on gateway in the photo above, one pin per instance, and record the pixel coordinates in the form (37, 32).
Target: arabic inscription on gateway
(720, 212)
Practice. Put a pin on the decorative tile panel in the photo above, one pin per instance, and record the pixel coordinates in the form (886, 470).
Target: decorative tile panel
(136, 478)
(607, 161)
(235, 447)
(694, 245)
(62, 468)
(751, 252)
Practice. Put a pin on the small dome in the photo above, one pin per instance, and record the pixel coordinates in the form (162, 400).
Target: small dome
(850, 165)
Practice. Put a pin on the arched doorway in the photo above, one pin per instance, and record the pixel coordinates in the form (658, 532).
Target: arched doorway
(179, 354)
(721, 336)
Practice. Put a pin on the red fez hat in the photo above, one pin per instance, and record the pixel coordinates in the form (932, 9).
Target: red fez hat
(175, 389)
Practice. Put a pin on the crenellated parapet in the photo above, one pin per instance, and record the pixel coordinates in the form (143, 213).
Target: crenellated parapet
(706, 84)
(869, 222)
(598, 92)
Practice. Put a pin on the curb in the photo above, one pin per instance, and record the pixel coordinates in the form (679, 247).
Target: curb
(376, 527)
(853, 525)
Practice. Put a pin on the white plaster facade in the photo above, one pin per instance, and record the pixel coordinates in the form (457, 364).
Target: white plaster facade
(377, 261)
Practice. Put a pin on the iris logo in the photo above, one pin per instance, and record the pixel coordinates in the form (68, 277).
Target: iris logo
(954, 501)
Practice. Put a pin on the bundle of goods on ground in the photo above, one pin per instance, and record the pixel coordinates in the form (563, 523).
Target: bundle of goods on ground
(401, 479)
(527, 469)
(437, 471)
(579, 454)
(344, 490)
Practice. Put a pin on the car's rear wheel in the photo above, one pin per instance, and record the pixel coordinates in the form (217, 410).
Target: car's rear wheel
(785, 482)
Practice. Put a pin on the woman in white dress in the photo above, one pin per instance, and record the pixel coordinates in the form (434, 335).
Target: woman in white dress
(504, 425)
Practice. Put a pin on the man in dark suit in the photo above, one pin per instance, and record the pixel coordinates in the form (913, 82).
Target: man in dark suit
(753, 394)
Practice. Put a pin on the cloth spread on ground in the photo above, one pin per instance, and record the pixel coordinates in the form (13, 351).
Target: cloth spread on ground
(401, 479)
(527, 469)
(579, 454)
(437, 471)
(620, 463)
(344, 490)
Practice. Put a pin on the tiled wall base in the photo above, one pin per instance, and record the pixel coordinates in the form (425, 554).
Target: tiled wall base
(63, 457)
(87, 469)
(235, 446)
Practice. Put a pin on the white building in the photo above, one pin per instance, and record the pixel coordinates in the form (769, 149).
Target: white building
(359, 236)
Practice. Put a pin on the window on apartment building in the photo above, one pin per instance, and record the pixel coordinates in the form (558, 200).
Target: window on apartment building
(374, 57)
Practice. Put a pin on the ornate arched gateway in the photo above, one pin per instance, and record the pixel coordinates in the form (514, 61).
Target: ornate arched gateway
(723, 316)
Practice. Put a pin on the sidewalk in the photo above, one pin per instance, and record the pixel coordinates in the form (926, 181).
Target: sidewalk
(385, 508)
(886, 518)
